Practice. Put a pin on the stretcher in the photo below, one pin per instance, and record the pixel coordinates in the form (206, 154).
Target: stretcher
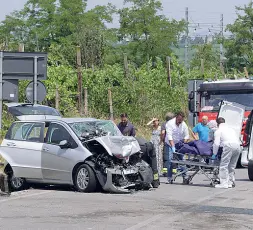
(189, 165)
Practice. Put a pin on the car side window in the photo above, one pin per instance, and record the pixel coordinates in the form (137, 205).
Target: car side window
(57, 133)
(32, 132)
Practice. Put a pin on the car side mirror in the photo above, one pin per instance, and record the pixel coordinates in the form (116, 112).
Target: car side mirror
(191, 95)
(64, 144)
(191, 106)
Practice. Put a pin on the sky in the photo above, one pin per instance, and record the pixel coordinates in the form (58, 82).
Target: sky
(205, 12)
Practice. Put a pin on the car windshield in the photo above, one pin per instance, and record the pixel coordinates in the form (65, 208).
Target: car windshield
(212, 101)
(33, 110)
(89, 126)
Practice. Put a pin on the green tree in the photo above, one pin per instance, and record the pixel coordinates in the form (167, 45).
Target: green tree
(33, 25)
(209, 56)
(93, 36)
(40, 17)
(13, 31)
(145, 32)
(239, 47)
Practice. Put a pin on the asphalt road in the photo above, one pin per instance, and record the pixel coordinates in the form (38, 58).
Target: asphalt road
(176, 206)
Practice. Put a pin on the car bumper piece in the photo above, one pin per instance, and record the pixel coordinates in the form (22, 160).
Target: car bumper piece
(110, 187)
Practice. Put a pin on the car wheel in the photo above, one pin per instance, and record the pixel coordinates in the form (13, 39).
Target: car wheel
(250, 170)
(17, 184)
(85, 179)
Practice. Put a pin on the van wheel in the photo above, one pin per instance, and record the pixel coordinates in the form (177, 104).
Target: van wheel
(250, 170)
(85, 179)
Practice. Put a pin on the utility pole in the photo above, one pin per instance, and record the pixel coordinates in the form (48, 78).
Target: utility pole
(110, 103)
(21, 47)
(186, 38)
(37, 43)
(221, 43)
(80, 78)
(168, 70)
(126, 68)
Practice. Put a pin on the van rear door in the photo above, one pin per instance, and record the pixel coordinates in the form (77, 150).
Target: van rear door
(233, 113)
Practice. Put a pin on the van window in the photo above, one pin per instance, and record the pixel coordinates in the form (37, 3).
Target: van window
(28, 131)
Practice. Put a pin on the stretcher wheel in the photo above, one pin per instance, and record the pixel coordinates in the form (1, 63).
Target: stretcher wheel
(186, 181)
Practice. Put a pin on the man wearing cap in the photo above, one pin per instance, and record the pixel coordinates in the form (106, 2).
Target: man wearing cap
(202, 130)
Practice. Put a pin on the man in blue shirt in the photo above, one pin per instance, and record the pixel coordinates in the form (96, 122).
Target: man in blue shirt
(202, 130)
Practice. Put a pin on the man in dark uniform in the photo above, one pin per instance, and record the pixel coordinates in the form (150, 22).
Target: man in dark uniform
(149, 155)
(147, 148)
(125, 126)
(4, 187)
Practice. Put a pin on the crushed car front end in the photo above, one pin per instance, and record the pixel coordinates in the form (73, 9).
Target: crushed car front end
(118, 173)
(116, 159)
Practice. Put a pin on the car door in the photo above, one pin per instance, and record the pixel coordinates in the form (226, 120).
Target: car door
(233, 113)
(22, 149)
(57, 163)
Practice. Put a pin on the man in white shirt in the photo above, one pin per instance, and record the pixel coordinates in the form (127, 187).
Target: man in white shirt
(226, 137)
(176, 131)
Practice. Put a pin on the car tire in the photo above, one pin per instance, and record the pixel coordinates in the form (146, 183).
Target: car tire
(85, 179)
(17, 184)
(250, 170)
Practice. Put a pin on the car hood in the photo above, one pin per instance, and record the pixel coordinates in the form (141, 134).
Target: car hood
(121, 146)
(233, 113)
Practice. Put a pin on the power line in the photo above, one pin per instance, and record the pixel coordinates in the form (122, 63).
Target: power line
(186, 40)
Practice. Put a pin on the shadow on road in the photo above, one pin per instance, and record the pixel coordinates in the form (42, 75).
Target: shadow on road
(65, 188)
(191, 185)
(216, 210)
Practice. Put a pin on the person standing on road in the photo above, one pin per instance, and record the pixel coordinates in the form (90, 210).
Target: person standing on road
(202, 130)
(155, 139)
(176, 131)
(212, 128)
(226, 137)
(125, 126)
(4, 187)
(168, 117)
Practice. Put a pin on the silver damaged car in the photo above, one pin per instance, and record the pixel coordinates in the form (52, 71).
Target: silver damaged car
(86, 153)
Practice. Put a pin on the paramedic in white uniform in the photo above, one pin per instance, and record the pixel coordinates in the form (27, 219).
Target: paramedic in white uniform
(226, 137)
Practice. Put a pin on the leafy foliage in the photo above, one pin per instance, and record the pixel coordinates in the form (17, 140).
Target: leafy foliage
(239, 46)
(144, 95)
(147, 34)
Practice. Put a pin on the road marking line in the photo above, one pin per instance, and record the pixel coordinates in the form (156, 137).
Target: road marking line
(146, 222)
(24, 196)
